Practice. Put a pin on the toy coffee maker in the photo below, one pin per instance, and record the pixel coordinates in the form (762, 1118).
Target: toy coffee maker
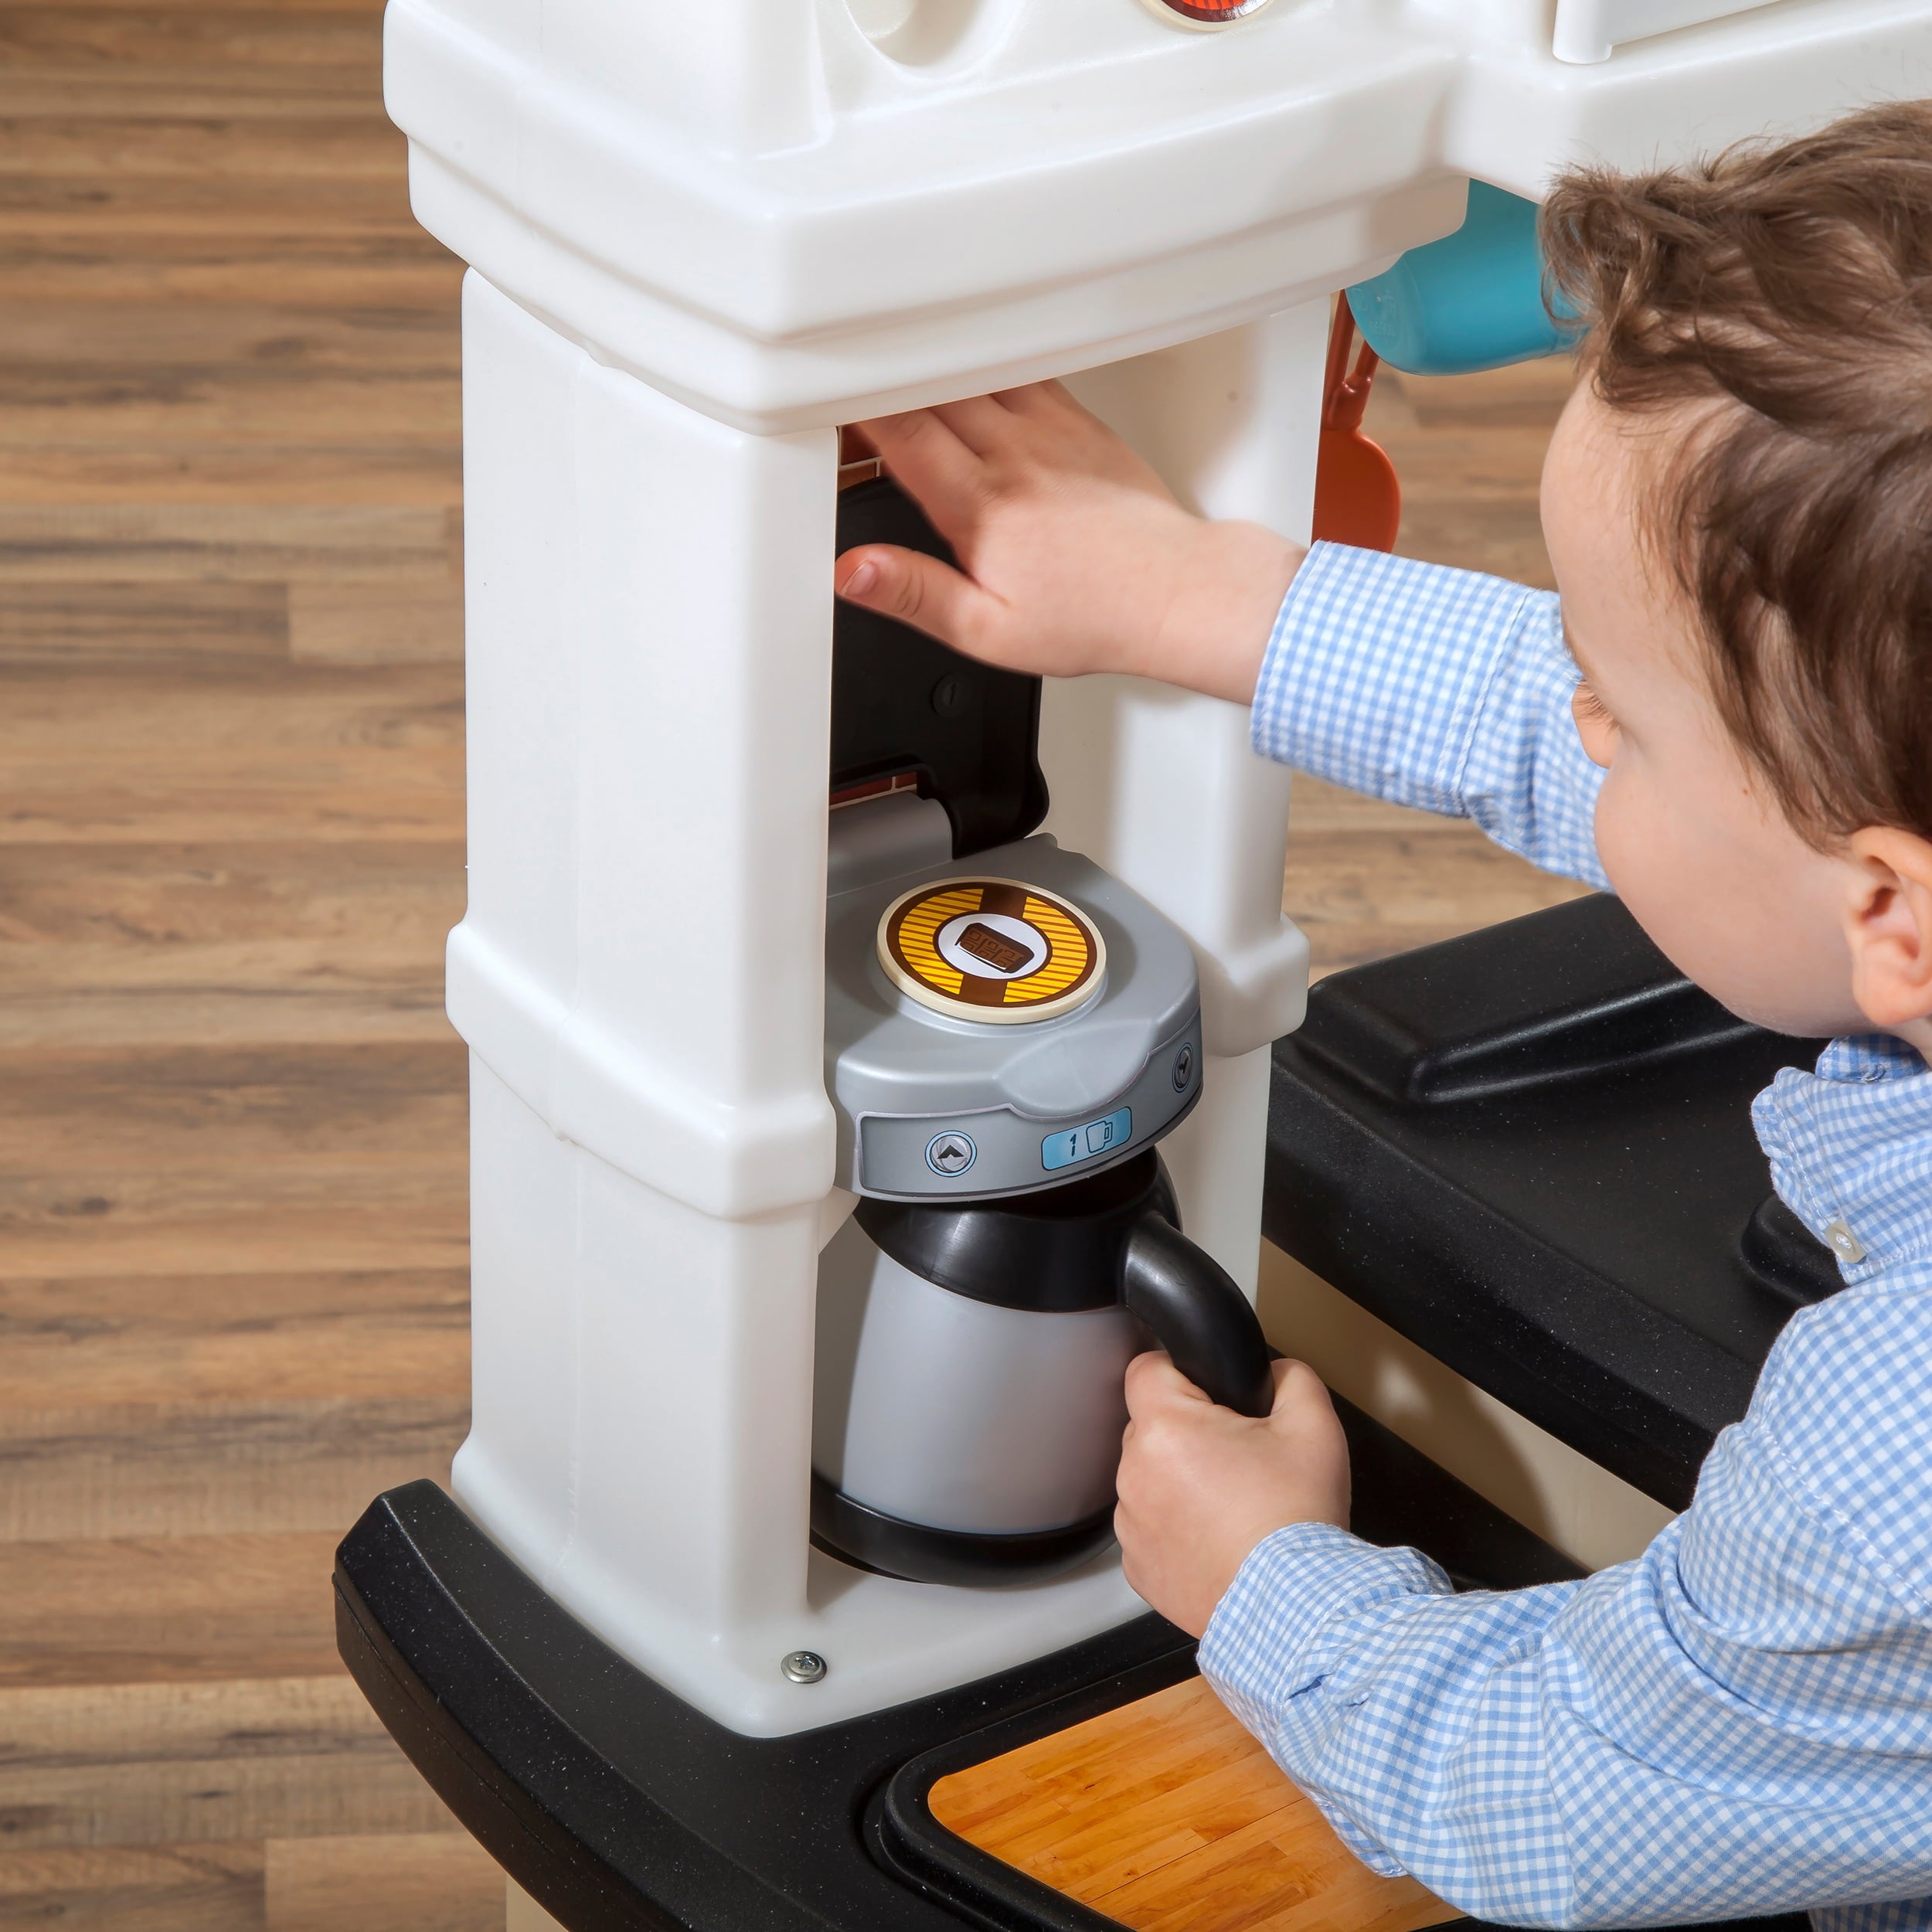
(1009, 1032)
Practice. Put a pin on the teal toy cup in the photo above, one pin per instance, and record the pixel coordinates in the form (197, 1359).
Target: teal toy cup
(1475, 299)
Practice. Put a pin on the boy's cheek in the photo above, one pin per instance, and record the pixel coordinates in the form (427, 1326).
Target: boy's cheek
(1730, 911)
(1683, 888)
(1621, 840)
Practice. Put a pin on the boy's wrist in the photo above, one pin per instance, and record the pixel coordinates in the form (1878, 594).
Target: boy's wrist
(1287, 1586)
(1215, 631)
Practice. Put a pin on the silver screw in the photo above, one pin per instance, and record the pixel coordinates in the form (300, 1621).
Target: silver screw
(804, 1667)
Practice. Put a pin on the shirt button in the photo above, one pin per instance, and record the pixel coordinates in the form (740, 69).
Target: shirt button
(1844, 1244)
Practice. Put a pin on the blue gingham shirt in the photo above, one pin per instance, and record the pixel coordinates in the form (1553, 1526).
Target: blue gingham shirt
(1739, 1721)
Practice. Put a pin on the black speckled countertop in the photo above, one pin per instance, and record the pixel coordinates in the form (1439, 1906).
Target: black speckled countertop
(1530, 1151)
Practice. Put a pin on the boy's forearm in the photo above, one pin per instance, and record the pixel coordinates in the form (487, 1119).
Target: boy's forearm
(1443, 689)
(1627, 1750)
(1217, 628)
(1320, 1649)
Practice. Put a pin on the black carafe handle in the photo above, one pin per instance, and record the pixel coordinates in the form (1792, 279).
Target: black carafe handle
(1197, 1313)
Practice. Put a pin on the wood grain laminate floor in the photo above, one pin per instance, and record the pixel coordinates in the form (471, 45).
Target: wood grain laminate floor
(232, 1207)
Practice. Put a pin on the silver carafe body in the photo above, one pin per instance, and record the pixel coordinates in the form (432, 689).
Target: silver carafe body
(933, 1407)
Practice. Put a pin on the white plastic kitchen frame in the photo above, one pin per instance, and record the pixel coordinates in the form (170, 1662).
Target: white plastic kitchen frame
(1592, 30)
(702, 233)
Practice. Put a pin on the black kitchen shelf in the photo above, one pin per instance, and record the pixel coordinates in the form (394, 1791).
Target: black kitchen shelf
(1530, 1151)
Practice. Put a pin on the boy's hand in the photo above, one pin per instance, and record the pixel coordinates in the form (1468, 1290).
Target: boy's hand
(1200, 1486)
(1075, 557)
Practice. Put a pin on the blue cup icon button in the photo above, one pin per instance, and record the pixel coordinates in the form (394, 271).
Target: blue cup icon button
(1097, 1137)
(1184, 1068)
(951, 1153)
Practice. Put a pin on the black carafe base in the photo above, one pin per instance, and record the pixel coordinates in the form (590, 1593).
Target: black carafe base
(890, 1546)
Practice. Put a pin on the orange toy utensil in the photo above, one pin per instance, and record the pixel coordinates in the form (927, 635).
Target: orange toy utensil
(1357, 497)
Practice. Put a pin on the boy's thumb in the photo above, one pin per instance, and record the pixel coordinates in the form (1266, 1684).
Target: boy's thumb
(915, 589)
(1294, 1382)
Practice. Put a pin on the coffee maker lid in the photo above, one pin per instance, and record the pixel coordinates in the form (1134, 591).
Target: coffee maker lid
(991, 950)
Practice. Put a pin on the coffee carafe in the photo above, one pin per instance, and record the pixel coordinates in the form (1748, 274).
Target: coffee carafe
(1006, 1041)
(971, 1358)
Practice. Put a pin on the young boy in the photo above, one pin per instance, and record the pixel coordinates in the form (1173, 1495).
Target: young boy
(1728, 720)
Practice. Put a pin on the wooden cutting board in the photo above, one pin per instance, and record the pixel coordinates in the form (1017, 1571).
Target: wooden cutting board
(1166, 1815)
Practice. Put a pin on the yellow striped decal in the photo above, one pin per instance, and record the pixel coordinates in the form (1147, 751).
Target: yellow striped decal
(1070, 956)
(920, 926)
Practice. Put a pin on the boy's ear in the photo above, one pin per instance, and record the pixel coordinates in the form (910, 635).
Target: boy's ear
(1888, 925)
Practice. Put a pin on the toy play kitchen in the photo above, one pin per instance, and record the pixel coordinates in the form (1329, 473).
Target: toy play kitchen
(870, 1050)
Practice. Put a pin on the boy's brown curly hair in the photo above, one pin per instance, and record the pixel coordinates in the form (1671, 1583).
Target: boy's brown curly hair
(1790, 286)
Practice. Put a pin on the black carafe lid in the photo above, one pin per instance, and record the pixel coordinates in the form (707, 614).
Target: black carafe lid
(1053, 1252)
(1111, 1240)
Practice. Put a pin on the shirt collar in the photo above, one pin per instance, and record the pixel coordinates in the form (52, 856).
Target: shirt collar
(1851, 1149)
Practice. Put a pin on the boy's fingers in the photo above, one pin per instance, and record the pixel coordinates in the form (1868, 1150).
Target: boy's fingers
(926, 457)
(982, 423)
(1299, 1391)
(1052, 406)
(1036, 399)
(917, 590)
(1142, 1380)
(1154, 1381)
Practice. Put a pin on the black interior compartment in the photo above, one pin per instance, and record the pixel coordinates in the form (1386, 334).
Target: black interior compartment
(904, 703)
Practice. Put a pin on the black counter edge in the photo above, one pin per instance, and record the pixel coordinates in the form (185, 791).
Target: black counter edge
(482, 1679)
(572, 1869)
(1595, 1367)
(583, 1837)
(910, 1841)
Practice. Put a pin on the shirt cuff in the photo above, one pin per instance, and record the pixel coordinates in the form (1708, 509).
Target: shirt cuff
(1375, 671)
(1257, 1651)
